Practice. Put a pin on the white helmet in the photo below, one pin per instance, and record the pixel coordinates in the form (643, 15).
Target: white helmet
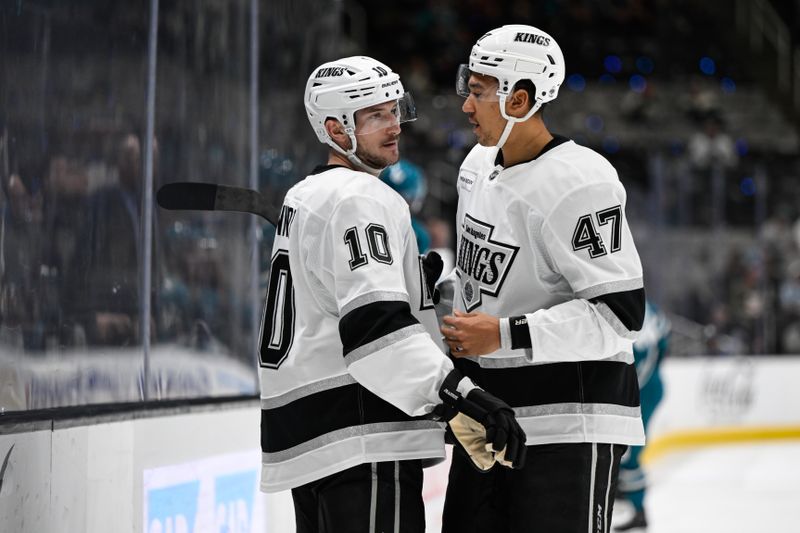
(513, 53)
(340, 88)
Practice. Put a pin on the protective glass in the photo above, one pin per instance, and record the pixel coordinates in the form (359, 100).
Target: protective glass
(388, 115)
(482, 91)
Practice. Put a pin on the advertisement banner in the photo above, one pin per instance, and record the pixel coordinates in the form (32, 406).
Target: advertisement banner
(217, 494)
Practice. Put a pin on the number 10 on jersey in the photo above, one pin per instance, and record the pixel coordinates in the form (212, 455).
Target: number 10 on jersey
(277, 331)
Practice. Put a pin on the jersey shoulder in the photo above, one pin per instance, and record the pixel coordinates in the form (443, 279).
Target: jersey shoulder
(576, 165)
(479, 156)
(567, 171)
(323, 193)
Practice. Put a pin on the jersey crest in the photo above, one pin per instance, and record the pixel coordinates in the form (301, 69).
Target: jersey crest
(483, 263)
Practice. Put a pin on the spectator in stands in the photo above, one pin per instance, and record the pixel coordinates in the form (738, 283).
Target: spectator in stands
(712, 146)
(20, 239)
(66, 187)
(107, 276)
(789, 298)
(703, 101)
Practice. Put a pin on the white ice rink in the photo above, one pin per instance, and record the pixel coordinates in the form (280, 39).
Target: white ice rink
(732, 488)
(728, 488)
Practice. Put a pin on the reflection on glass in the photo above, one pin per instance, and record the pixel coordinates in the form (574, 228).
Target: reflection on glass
(71, 169)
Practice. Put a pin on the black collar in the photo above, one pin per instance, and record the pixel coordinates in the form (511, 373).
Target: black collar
(555, 141)
(323, 168)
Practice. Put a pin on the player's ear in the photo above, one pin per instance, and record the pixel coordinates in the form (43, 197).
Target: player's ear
(336, 132)
(334, 128)
(518, 103)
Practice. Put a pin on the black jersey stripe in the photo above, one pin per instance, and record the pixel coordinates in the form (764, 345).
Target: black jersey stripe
(586, 382)
(628, 306)
(317, 414)
(368, 349)
(372, 321)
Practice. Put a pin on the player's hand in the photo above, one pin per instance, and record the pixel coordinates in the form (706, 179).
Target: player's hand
(471, 333)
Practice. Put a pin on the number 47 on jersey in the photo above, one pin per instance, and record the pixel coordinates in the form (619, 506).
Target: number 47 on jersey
(586, 234)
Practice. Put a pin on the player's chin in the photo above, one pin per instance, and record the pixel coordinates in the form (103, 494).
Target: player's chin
(486, 140)
(481, 137)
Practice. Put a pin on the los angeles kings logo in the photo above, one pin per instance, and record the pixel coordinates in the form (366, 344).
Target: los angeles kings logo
(482, 263)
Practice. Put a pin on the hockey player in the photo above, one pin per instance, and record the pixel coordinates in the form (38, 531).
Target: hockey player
(548, 297)
(352, 382)
(649, 350)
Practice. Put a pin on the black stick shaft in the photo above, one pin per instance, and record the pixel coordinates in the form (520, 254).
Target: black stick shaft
(212, 197)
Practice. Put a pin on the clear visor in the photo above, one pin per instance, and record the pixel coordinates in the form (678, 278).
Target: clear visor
(481, 88)
(386, 115)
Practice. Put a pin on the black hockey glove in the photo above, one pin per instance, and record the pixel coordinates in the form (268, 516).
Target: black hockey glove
(482, 425)
(432, 268)
(503, 432)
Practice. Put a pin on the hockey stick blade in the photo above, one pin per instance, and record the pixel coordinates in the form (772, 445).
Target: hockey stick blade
(196, 196)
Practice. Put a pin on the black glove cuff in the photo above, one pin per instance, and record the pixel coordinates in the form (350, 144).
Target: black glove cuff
(451, 398)
(448, 392)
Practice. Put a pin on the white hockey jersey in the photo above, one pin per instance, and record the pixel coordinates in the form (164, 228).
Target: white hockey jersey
(540, 242)
(348, 364)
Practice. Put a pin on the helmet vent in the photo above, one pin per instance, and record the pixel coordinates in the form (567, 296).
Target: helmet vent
(552, 61)
(359, 92)
(487, 63)
(316, 84)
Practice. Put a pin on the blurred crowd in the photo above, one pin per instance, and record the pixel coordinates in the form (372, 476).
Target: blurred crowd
(672, 108)
(72, 257)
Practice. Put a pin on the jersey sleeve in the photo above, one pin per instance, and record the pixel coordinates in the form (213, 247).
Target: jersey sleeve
(385, 348)
(587, 235)
(590, 244)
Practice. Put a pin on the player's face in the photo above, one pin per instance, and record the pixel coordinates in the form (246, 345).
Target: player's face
(483, 110)
(378, 131)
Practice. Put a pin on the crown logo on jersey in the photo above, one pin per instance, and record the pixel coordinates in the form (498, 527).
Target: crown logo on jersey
(482, 262)
(469, 292)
